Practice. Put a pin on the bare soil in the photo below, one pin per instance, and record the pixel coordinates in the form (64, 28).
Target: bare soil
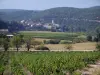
(93, 69)
(77, 46)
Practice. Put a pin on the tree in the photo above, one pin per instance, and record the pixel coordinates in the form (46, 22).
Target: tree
(16, 41)
(28, 44)
(89, 38)
(98, 46)
(1, 41)
(21, 37)
(95, 39)
(98, 34)
(6, 44)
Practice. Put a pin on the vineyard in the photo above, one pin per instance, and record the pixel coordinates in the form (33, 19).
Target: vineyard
(51, 35)
(45, 63)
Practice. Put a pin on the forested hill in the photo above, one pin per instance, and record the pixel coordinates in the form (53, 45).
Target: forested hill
(54, 13)
(3, 25)
(11, 26)
(81, 19)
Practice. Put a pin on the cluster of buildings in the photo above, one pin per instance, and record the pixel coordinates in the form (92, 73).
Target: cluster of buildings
(31, 24)
(52, 25)
(49, 26)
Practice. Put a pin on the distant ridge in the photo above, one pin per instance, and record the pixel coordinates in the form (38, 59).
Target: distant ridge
(13, 10)
(58, 12)
(82, 19)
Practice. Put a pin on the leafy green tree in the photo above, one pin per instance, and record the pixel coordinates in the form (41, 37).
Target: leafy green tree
(95, 39)
(21, 37)
(1, 41)
(31, 42)
(16, 41)
(28, 43)
(6, 44)
(89, 38)
(98, 46)
(98, 34)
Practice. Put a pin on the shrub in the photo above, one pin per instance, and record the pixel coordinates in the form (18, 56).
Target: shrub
(89, 38)
(69, 47)
(42, 48)
(44, 41)
(52, 42)
(95, 39)
(65, 42)
(79, 40)
(98, 46)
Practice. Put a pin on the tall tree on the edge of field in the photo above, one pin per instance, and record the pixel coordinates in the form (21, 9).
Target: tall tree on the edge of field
(89, 38)
(6, 44)
(98, 34)
(16, 41)
(28, 43)
(1, 41)
(22, 38)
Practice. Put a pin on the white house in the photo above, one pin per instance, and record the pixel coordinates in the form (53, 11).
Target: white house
(9, 35)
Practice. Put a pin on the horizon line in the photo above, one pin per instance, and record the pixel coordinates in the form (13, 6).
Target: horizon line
(46, 9)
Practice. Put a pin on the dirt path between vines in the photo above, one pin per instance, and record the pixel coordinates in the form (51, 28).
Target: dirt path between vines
(27, 72)
(8, 68)
(93, 69)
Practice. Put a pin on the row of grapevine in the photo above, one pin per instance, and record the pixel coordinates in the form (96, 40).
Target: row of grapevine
(16, 68)
(4, 57)
(56, 63)
(46, 63)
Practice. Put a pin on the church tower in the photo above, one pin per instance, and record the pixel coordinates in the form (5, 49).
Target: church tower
(53, 22)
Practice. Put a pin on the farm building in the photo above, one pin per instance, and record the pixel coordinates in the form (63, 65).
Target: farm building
(6, 32)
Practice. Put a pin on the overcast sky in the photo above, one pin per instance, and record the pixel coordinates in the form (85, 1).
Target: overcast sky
(46, 4)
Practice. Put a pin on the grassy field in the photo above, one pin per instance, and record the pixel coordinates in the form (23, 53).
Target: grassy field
(88, 46)
(45, 63)
(51, 35)
(45, 35)
(76, 46)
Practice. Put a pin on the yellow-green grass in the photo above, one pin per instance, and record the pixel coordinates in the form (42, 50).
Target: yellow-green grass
(76, 46)
(51, 35)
